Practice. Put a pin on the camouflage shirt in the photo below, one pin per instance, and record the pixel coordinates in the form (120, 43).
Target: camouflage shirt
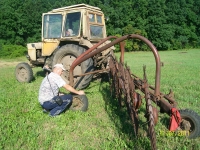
(50, 87)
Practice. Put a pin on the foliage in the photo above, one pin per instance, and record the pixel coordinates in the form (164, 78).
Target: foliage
(168, 24)
(12, 51)
(23, 125)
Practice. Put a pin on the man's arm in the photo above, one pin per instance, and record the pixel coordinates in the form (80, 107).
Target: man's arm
(71, 89)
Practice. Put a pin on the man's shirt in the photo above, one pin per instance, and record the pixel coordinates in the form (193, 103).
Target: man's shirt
(50, 87)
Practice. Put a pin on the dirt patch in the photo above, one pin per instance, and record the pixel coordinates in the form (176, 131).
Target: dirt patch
(8, 64)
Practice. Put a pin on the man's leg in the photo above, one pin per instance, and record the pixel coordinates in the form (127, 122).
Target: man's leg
(67, 99)
(48, 105)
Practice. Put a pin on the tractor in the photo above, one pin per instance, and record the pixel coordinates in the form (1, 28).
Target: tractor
(68, 32)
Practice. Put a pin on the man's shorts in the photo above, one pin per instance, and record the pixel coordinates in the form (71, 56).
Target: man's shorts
(55, 109)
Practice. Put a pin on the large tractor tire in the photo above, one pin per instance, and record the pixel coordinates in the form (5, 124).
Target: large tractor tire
(66, 56)
(23, 72)
(190, 122)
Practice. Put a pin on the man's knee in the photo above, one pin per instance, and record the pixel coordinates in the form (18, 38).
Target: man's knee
(67, 97)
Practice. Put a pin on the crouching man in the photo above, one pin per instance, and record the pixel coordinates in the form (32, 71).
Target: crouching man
(49, 92)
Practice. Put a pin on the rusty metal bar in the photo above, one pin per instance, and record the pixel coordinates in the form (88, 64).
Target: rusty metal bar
(165, 96)
(139, 81)
(122, 49)
(161, 102)
(77, 61)
(85, 57)
(157, 59)
(97, 71)
(91, 49)
(119, 40)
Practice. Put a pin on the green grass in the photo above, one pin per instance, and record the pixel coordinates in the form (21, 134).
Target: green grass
(23, 125)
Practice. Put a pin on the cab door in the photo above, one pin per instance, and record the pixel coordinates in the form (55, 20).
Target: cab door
(51, 32)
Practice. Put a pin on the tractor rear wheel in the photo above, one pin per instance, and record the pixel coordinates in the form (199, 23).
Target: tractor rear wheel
(66, 56)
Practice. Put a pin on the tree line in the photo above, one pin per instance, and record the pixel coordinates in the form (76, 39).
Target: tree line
(168, 24)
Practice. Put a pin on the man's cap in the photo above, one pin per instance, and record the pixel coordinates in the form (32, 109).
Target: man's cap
(60, 66)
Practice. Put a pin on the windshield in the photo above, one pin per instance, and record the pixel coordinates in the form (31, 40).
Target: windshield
(72, 24)
(52, 26)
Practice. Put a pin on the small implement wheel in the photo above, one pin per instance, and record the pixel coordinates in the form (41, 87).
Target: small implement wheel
(23, 72)
(190, 121)
(79, 102)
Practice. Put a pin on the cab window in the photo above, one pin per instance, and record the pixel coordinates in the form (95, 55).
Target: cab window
(99, 19)
(52, 26)
(96, 25)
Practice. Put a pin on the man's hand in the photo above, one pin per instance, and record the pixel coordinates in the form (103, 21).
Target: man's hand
(81, 92)
(71, 89)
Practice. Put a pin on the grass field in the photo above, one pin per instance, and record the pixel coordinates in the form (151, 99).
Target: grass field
(23, 125)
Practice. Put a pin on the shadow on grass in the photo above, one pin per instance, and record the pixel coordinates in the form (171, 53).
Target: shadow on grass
(165, 120)
(119, 115)
(41, 73)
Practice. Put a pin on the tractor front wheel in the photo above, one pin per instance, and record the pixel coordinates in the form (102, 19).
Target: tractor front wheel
(23, 72)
